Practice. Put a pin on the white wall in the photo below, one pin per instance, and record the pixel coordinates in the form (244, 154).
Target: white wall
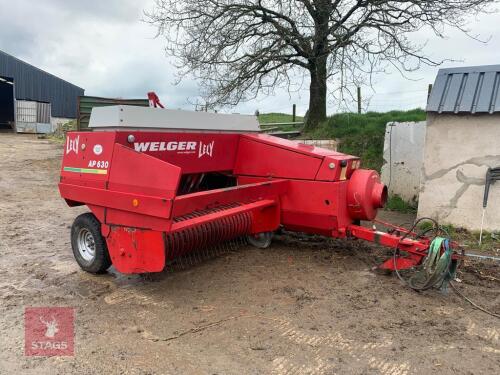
(403, 158)
(458, 151)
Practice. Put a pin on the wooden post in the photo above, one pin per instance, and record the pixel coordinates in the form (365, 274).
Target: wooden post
(359, 99)
(293, 113)
(429, 89)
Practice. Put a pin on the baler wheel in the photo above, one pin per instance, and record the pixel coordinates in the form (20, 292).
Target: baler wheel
(89, 247)
(260, 240)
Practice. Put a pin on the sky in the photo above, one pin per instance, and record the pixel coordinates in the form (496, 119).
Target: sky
(106, 48)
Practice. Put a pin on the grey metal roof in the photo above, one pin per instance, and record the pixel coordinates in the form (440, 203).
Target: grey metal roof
(31, 83)
(471, 89)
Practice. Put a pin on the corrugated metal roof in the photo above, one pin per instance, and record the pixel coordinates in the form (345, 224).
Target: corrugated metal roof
(473, 89)
(32, 83)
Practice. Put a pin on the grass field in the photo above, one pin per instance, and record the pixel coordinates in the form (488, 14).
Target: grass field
(359, 134)
(266, 118)
(363, 134)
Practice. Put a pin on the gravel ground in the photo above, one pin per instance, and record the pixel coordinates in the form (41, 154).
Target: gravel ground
(304, 306)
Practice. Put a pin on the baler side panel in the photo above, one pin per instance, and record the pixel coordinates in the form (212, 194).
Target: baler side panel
(135, 250)
(257, 158)
(86, 161)
(134, 172)
(192, 152)
(146, 205)
(312, 206)
(255, 208)
(266, 218)
(295, 146)
(134, 220)
(151, 185)
(242, 194)
(341, 171)
(121, 186)
(264, 155)
(132, 182)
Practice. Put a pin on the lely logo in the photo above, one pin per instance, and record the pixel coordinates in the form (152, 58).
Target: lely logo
(49, 331)
(72, 144)
(206, 149)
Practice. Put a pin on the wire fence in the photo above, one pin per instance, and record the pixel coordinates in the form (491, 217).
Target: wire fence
(397, 100)
(374, 101)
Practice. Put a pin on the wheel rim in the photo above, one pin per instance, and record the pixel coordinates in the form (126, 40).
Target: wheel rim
(86, 244)
(261, 240)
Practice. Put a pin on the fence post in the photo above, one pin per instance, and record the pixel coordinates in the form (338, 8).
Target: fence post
(293, 113)
(359, 99)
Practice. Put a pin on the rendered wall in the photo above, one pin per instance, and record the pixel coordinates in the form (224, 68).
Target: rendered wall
(458, 151)
(403, 158)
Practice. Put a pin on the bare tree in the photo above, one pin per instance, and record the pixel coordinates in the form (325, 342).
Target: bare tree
(240, 48)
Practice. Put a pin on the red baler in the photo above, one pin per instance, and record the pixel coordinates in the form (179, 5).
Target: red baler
(162, 183)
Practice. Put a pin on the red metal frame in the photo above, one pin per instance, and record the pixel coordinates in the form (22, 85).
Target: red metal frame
(131, 181)
(154, 100)
(415, 250)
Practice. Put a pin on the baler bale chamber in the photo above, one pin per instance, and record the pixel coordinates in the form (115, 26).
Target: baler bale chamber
(161, 184)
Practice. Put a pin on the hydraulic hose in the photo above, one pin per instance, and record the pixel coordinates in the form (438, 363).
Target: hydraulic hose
(437, 266)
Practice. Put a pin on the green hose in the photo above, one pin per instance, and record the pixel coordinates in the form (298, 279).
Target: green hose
(437, 269)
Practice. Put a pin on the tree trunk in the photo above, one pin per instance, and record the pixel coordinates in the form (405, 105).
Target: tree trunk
(317, 94)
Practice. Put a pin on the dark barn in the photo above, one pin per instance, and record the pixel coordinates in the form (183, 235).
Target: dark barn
(22, 81)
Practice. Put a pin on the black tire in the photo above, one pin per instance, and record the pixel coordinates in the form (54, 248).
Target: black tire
(261, 240)
(87, 226)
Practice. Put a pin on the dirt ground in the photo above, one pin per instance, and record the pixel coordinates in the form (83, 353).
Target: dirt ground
(303, 306)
